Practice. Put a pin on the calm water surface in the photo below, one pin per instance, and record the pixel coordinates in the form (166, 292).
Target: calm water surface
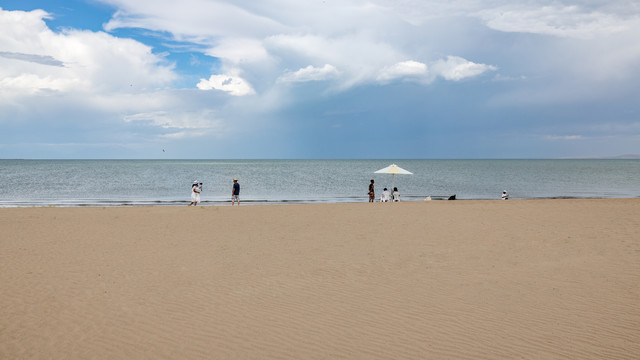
(168, 182)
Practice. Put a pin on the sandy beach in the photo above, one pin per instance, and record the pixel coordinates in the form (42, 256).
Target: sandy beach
(516, 279)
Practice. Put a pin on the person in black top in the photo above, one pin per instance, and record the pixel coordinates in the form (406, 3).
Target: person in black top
(235, 192)
(372, 194)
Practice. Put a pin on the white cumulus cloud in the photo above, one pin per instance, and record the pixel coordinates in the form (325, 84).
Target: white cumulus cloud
(34, 59)
(456, 68)
(404, 69)
(310, 73)
(234, 85)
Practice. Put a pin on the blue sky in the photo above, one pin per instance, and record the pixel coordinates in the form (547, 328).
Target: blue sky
(319, 79)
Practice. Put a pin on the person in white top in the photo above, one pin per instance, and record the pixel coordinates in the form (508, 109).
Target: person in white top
(396, 195)
(505, 196)
(386, 196)
(195, 194)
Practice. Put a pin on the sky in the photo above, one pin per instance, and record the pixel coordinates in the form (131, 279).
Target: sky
(391, 79)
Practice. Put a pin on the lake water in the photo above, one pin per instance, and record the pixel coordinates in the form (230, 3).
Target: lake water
(168, 182)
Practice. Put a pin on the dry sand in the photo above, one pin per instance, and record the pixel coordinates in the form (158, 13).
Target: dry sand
(517, 279)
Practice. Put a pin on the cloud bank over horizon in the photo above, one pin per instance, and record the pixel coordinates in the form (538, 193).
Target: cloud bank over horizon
(323, 79)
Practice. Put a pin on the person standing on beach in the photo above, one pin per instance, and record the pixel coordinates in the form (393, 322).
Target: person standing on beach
(372, 194)
(195, 194)
(235, 192)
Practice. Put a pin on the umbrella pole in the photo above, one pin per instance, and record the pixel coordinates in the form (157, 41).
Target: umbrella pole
(393, 178)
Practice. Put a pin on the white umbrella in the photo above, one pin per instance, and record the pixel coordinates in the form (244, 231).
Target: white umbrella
(393, 169)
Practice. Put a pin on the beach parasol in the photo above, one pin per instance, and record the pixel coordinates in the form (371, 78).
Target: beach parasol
(393, 169)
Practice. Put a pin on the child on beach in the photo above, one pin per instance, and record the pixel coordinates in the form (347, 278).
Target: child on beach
(396, 195)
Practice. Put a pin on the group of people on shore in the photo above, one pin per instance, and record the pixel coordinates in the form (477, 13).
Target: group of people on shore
(196, 189)
(395, 196)
(386, 196)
